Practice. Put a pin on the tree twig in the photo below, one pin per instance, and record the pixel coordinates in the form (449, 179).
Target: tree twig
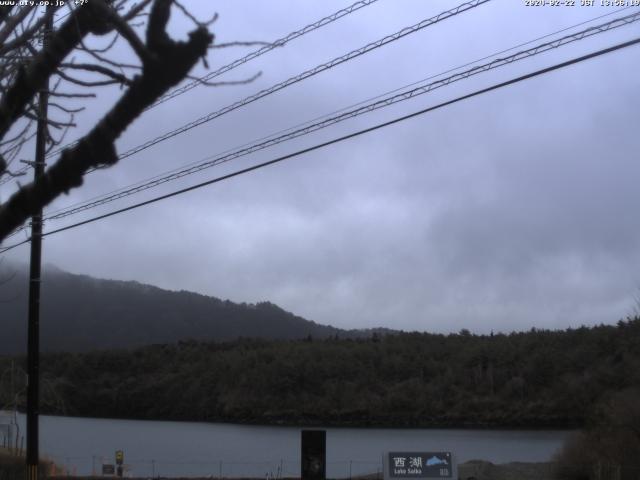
(170, 62)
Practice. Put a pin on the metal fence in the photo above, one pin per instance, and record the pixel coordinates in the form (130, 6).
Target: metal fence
(84, 467)
(214, 469)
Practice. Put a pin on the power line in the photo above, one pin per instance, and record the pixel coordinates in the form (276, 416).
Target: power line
(349, 136)
(11, 247)
(307, 74)
(385, 102)
(272, 141)
(404, 96)
(308, 122)
(295, 79)
(332, 63)
(267, 48)
(281, 42)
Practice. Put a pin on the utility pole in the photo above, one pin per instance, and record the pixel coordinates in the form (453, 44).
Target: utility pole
(33, 335)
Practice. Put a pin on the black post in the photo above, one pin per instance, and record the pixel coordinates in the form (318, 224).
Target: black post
(314, 456)
(33, 336)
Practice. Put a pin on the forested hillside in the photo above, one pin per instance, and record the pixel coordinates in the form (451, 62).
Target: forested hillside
(532, 379)
(81, 313)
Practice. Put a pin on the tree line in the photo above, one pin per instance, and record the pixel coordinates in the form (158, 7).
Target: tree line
(538, 378)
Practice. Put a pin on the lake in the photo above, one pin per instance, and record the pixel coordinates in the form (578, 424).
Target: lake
(153, 448)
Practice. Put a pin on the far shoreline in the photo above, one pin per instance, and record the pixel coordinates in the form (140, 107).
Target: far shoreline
(329, 424)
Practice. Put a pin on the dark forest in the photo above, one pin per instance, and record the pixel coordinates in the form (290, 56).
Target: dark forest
(530, 379)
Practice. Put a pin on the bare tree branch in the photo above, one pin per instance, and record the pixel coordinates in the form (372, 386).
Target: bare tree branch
(27, 34)
(49, 121)
(166, 65)
(197, 22)
(5, 11)
(66, 109)
(17, 136)
(33, 78)
(124, 29)
(59, 140)
(109, 45)
(91, 67)
(95, 54)
(135, 10)
(225, 83)
(86, 83)
(72, 95)
(12, 23)
(239, 44)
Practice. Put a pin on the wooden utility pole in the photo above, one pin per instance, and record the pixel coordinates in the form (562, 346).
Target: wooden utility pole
(33, 335)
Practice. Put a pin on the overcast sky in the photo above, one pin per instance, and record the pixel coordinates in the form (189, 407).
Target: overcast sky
(514, 209)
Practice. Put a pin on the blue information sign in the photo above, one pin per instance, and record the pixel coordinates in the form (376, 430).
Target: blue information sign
(419, 465)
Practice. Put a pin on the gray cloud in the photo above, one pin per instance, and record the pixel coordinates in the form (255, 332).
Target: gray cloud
(507, 211)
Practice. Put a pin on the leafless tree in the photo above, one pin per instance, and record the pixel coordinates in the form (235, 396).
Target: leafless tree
(71, 66)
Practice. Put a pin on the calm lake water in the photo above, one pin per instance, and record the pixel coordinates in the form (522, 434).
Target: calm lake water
(205, 449)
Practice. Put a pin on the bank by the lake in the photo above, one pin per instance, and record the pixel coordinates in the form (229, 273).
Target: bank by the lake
(528, 380)
(175, 449)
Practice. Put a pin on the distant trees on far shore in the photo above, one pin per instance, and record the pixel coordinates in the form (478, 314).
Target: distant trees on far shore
(538, 378)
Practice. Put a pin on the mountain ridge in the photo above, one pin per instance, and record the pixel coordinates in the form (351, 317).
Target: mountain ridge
(81, 313)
